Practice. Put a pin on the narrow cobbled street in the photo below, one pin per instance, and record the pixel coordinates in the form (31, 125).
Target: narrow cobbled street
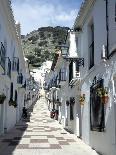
(41, 135)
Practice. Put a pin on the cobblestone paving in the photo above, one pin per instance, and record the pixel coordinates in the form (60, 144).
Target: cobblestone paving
(40, 135)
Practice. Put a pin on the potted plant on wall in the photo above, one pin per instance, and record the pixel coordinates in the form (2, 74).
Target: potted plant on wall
(82, 99)
(12, 103)
(103, 94)
(2, 98)
(72, 101)
(67, 103)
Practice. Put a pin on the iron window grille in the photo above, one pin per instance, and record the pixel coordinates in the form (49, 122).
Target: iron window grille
(72, 102)
(91, 47)
(15, 65)
(11, 91)
(91, 50)
(70, 71)
(2, 56)
(16, 96)
(20, 78)
(97, 119)
(62, 74)
(8, 67)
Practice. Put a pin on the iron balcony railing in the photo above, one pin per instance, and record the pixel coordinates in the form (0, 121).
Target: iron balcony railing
(15, 64)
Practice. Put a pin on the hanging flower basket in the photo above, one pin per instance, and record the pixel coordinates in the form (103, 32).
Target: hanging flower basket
(82, 99)
(2, 98)
(67, 103)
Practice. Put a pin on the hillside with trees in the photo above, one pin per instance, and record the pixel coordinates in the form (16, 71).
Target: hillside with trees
(40, 45)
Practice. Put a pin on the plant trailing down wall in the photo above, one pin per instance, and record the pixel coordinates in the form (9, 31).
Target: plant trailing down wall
(2, 98)
(103, 94)
(12, 103)
(82, 99)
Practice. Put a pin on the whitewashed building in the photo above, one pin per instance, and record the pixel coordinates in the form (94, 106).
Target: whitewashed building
(97, 45)
(90, 85)
(12, 69)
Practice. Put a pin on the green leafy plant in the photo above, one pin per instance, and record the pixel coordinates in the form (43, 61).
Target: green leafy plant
(102, 92)
(12, 103)
(82, 99)
(2, 98)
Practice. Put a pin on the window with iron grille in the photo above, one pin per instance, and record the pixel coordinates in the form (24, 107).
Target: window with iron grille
(97, 120)
(70, 71)
(115, 11)
(91, 47)
(15, 65)
(2, 56)
(20, 78)
(72, 102)
(16, 96)
(9, 68)
(62, 74)
(11, 91)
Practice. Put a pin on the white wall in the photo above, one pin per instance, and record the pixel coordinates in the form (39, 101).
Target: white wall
(103, 142)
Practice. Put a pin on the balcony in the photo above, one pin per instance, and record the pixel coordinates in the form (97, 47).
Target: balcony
(20, 78)
(74, 74)
(15, 64)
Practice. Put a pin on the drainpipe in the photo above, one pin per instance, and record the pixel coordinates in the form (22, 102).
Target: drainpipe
(107, 28)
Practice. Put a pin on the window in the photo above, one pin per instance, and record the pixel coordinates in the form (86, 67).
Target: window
(11, 91)
(9, 68)
(62, 74)
(15, 65)
(115, 11)
(97, 119)
(71, 112)
(72, 102)
(15, 95)
(2, 56)
(70, 71)
(91, 47)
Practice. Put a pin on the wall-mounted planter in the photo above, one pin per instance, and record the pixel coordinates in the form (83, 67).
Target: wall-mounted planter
(67, 103)
(12, 103)
(82, 103)
(105, 99)
(72, 101)
(2, 98)
(82, 99)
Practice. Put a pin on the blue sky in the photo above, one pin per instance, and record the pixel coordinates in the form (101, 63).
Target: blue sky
(33, 14)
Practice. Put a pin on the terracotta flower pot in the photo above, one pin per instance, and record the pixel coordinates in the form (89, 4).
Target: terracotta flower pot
(105, 99)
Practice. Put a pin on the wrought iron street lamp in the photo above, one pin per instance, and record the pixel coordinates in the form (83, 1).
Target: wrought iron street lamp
(65, 54)
(64, 50)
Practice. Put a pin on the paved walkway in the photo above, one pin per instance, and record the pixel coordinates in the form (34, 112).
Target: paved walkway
(40, 135)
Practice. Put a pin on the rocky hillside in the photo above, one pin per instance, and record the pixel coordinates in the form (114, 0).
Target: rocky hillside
(39, 45)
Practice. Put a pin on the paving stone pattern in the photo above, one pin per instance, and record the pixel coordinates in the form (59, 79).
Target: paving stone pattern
(41, 135)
